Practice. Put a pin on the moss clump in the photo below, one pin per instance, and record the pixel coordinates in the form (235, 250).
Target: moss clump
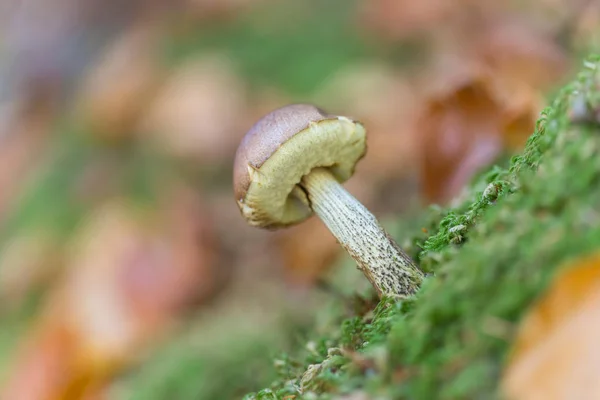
(454, 341)
(492, 256)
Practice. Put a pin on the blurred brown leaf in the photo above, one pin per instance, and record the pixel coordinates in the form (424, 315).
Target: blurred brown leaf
(587, 26)
(97, 180)
(131, 273)
(24, 134)
(468, 120)
(556, 354)
(211, 9)
(398, 19)
(47, 368)
(122, 84)
(490, 65)
(308, 251)
(199, 111)
(517, 52)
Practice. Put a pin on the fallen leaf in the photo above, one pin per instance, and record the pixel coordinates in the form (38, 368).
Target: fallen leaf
(555, 354)
(198, 113)
(468, 120)
(51, 43)
(134, 271)
(44, 369)
(386, 103)
(399, 19)
(308, 251)
(24, 135)
(121, 85)
(587, 26)
(131, 272)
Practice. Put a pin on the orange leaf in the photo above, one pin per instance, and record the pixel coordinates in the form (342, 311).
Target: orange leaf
(47, 368)
(471, 115)
(24, 136)
(118, 89)
(197, 114)
(399, 19)
(130, 275)
(556, 353)
(308, 251)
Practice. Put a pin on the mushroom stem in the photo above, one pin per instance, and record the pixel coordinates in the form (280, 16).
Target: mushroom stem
(388, 268)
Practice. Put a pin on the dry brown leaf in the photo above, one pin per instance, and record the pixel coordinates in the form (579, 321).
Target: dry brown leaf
(131, 273)
(467, 121)
(24, 134)
(308, 251)
(518, 52)
(505, 59)
(45, 368)
(556, 353)
(121, 85)
(248, 251)
(398, 19)
(198, 113)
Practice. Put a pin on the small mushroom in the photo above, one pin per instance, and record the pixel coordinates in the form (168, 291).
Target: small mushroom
(291, 163)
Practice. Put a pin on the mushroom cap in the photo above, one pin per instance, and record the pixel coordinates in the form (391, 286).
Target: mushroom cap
(280, 149)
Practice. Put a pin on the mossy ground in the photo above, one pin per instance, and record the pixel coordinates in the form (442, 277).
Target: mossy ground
(491, 256)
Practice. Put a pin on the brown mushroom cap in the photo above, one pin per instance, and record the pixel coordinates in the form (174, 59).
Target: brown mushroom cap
(280, 149)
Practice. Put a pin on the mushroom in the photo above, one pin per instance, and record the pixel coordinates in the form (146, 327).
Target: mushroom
(291, 163)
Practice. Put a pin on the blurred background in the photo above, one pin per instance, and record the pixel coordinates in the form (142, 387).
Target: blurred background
(126, 270)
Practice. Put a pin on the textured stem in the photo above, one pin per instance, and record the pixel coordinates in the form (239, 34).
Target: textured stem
(388, 268)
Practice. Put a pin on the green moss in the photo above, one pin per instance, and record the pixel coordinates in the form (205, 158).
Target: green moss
(294, 46)
(492, 256)
(456, 337)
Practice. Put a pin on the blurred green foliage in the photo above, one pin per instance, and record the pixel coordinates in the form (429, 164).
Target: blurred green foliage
(292, 46)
